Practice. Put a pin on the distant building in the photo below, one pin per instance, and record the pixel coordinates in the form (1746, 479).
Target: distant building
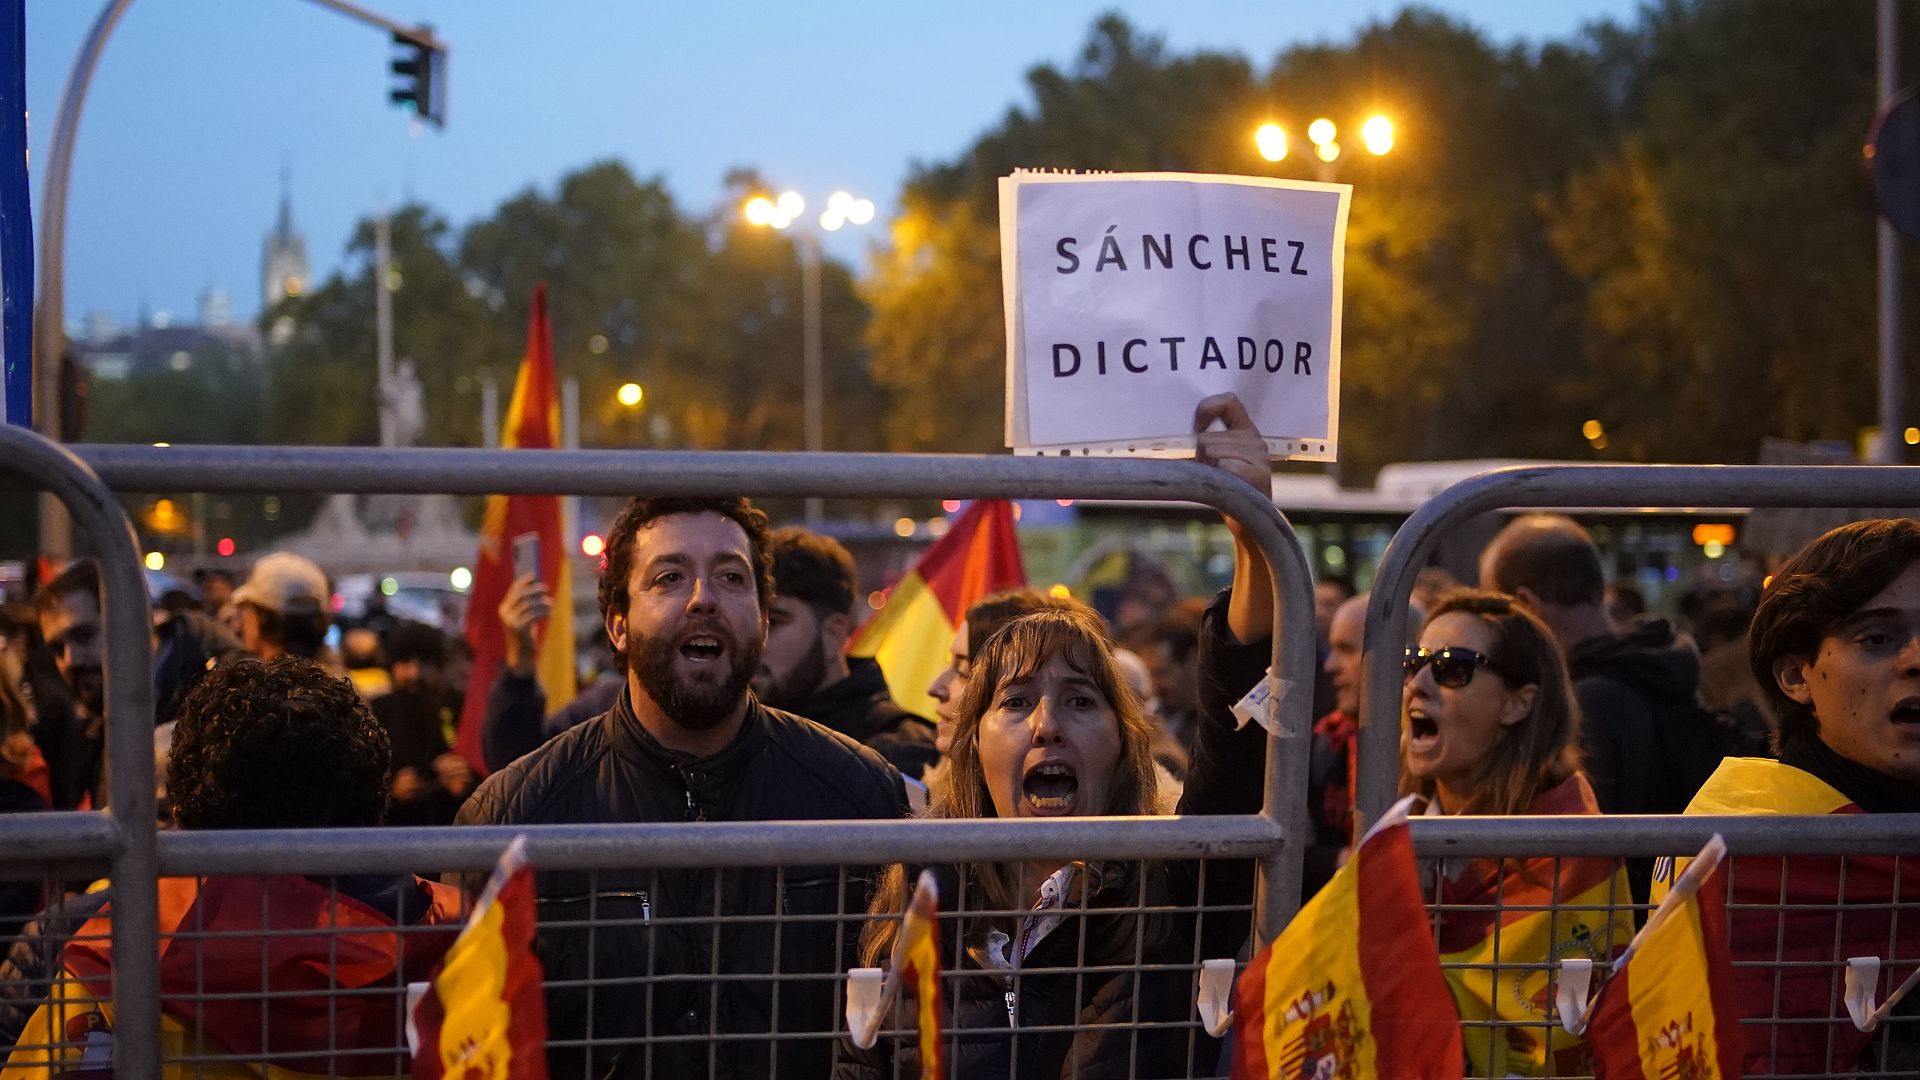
(283, 257)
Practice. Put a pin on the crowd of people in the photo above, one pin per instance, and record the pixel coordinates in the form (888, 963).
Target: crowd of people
(734, 700)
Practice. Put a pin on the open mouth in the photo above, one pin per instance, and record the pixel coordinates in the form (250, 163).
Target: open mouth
(1050, 788)
(701, 648)
(1907, 712)
(1422, 732)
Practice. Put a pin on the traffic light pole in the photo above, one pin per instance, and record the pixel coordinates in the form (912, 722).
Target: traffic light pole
(49, 323)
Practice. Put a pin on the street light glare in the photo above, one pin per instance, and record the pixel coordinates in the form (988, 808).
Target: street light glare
(860, 212)
(1377, 134)
(839, 202)
(631, 395)
(832, 220)
(790, 204)
(1327, 151)
(760, 210)
(1321, 132)
(1271, 141)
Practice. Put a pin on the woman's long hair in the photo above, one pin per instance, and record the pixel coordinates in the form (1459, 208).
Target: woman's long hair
(1540, 751)
(1015, 651)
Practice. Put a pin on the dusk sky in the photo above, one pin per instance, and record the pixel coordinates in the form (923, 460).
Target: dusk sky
(198, 103)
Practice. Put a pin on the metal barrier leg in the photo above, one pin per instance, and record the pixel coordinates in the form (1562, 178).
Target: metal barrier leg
(129, 694)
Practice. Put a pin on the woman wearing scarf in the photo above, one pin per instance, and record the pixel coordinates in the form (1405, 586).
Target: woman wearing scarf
(1489, 726)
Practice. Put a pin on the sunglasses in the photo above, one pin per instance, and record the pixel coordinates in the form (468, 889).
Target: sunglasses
(1453, 667)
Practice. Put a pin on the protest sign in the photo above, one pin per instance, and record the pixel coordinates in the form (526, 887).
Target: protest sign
(1131, 296)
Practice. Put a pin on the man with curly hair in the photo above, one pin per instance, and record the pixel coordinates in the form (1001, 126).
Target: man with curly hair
(684, 596)
(275, 745)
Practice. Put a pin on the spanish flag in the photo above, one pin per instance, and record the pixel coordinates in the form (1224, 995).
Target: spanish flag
(333, 962)
(1667, 1010)
(1794, 921)
(1352, 987)
(484, 1017)
(919, 963)
(1503, 923)
(910, 636)
(533, 423)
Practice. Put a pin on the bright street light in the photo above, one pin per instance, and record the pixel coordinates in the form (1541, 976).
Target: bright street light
(1271, 141)
(1320, 132)
(631, 395)
(759, 210)
(1377, 134)
(1327, 151)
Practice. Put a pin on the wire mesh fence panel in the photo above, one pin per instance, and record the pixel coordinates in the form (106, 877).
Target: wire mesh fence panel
(1503, 927)
(722, 972)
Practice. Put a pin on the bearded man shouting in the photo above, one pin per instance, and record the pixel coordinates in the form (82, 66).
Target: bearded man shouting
(643, 980)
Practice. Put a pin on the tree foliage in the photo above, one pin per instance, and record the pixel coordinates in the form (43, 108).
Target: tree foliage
(1650, 225)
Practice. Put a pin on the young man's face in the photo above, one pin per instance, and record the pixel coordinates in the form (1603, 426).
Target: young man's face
(693, 630)
(794, 663)
(71, 629)
(1864, 683)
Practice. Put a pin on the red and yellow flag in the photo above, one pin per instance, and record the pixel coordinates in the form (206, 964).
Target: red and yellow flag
(332, 961)
(1793, 921)
(1668, 1009)
(919, 965)
(484, 1016)
(1352, 986)
(911, 636)
(1503, 924)
(533, 423)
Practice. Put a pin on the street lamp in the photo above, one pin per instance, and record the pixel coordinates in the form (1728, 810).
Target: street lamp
(781, 213)
(1376, 135)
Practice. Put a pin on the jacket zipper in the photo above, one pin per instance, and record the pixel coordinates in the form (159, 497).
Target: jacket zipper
(686, 786)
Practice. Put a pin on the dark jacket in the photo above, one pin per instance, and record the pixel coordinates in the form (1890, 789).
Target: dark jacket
(1647, 742)
(186, 646)
(1226, 778)
(418, 721)
(609, 769)
(517, 722)
(862, 708)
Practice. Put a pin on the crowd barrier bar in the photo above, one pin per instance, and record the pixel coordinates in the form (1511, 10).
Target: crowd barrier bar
(125, 832)
(1559, 487)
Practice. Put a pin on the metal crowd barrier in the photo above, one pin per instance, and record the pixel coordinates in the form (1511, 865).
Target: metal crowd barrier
(124, 834)
(1874, 841)
(1274, 839)
(1559, 487)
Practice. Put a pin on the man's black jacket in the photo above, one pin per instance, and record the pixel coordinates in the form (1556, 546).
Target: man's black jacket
(862, 708)
(609, 769)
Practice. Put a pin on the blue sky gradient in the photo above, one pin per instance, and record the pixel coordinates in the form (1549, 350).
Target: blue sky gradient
(199, 102)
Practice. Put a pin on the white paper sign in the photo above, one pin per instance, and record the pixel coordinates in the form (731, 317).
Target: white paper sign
(1131, 296)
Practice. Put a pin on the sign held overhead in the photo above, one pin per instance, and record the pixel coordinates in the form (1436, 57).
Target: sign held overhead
(1131, 296)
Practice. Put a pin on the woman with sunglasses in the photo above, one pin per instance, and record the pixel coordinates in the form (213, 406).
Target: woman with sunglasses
(1489, 726)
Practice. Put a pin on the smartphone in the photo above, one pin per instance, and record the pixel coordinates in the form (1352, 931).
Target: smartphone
(526, 555)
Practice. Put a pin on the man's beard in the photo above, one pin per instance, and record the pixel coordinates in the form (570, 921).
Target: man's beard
(89, 689)
(800, 684)
(694, 705)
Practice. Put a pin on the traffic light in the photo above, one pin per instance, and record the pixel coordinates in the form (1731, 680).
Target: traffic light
(421, 73)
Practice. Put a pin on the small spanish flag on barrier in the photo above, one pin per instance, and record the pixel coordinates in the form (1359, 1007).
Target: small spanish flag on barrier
(1668, 1008)
(1352, 986)
(533, 423)
(484, 1015)
(915, 962)
(911, 634)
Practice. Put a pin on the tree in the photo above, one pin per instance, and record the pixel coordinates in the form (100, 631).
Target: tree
(323, 382)
(938, 332)
(1726, 243)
